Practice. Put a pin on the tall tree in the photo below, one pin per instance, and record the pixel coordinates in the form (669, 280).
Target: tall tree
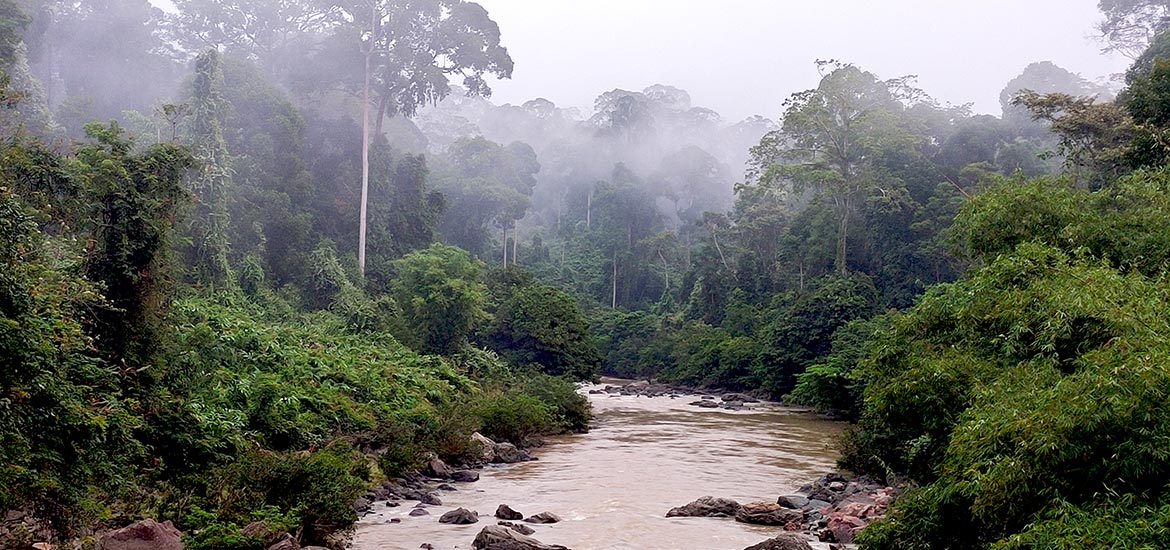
(209, 224)
(1130, 25)
(831, 138)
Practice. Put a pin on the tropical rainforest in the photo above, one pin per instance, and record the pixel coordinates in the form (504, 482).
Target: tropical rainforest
(256, 256)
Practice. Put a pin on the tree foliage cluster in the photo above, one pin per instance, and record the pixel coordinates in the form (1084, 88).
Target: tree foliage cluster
(1023, 404)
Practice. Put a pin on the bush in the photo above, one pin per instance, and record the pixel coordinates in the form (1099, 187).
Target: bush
(512, 416)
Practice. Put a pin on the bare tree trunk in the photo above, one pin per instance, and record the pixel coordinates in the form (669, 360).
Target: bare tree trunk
(613, 305)
(715, 239)
(366, 149)
(843, 238)
(505, 246)
(383, 103)
(589, 211)
(665, 272)
(515, 245)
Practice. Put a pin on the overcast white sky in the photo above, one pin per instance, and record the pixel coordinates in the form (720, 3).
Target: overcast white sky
(743, 57)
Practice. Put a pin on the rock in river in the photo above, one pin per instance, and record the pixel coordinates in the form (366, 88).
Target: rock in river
(459, 516)
(794, 502)
(768, 513)
(518, 527)
(707, 506)
(782, 542)
(506, 512)
(544, 517)
(465, 476)
(498, 537)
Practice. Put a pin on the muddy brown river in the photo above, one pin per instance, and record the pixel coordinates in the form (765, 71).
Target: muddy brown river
(614, 485)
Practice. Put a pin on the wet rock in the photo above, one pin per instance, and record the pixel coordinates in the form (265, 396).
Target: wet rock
(437, 469)
(768, 513)
(285, 542)
(393, 504)
(782, 542)
(504, 511)
(395, 520)
(842, 529)
(361, 505)
(517, 527)
(794, 502)
(498, 537)
(837, 486)
(446, 487)
(733, 405)
(543, 517)
(419, 512)
(459, 516)
(817, 504)
(740, 397)
(596, 392)
(464, 476)
(147, 534)
(426, 546)
(707, 506)
(708, 397)
(705, 404)
(507, 453)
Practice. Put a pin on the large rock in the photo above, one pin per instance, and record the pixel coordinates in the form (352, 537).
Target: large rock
(740, 397)
(487, 447)
(465, 476)
(504, 511)
(498, 537)
(543, 517)
(768, 513)
(459, 516)
(782, 542)
(285, 542)
(707, 506)
(438, 469)
(507, 453)
(517, 527)
(794, 502)
(143, 535)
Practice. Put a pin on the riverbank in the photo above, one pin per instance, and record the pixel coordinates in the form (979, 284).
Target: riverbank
(613, 486)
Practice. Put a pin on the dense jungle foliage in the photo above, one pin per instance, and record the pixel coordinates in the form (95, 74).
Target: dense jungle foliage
(197, 325)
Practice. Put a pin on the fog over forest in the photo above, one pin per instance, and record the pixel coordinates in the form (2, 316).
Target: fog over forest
(266, 262)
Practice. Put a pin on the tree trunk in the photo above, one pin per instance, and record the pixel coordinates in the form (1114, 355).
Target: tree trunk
(589, 211)
(665, 273)
(613, 304)
(715, 239)
(515, 246)
(505, 247)
(365, 150)
(843, 238)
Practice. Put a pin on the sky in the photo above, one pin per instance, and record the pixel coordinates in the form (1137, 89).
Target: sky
(744, 57)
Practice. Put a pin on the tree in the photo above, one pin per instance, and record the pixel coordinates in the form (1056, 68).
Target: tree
(538, 325)
(830, 139)
(1130, 25)
(209, 222)
(442, 295)
(410, 50)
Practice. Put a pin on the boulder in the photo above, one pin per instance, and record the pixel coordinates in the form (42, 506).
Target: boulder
(487, 447)
(707, 506)
(446, 487)
(437, 469)
(705, 404)
(782, 542)
(507, 453)
(794, 502)
(419, 512)
(504, 511)
(143, 535)
(843, 528)
(465, 476)
(285, 542)
(361, 505)
(459, 516)
(518, 527)
(543, 517)
(498, 537)
(768, 513)
(740, 397)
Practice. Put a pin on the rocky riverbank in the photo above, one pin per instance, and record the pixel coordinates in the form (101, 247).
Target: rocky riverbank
(832, 509)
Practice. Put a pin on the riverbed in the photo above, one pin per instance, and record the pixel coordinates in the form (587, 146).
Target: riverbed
(614, 485)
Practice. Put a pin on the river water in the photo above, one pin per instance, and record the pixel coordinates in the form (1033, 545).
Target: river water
(614, 485)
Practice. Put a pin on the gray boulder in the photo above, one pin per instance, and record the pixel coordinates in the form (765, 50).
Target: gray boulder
(543, 517)
(437, 469)
(794, 502)
(507, 453)
(487, 447)
(147, 534)
(465, 476)
(707, 506)
(504, 511)
(498, 537)
(459, 516)
(768, 513)
(419, 512)
(782, 542)
(518, 527)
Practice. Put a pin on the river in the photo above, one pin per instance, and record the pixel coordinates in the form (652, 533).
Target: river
(614, 485)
